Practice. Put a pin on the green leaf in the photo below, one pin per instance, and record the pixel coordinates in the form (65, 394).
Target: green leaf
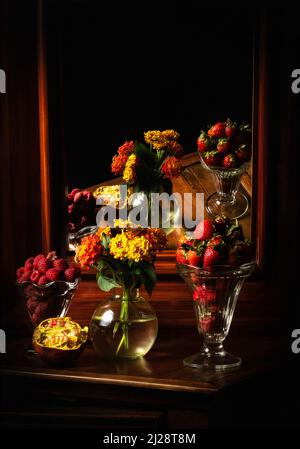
(105, 283)
(148, 276)
(167, 185)
(105, 241)
(145, 167)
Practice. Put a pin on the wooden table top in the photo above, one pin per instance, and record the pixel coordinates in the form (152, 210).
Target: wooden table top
(160, 369)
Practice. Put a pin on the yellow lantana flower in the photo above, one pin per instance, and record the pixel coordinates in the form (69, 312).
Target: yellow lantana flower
(138, 249)
(129, 174)
(119, 246)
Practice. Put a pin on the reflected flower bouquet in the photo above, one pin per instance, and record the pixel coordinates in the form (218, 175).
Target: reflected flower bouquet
(147, 167)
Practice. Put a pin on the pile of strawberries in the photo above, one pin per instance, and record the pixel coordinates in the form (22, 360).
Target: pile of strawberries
(81, 206)
(225, 144)
(42, 270)
(216, 242)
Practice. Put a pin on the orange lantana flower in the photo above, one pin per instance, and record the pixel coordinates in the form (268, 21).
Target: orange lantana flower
(171, 167)
(89, 250)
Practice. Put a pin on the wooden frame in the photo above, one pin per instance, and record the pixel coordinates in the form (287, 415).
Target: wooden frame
(260, 139)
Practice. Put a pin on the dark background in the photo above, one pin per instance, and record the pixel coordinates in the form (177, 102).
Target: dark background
(129, 68)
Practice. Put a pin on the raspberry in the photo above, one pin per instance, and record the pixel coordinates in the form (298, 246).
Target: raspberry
(28, 262)
(43, 280)
(53, 274)
(25, 277)
(40, 312)
(35, 276)
(72, 194)
(78, 196)
(31, 305)
(20, 272)
(28, 267)
(70, 274)
(37, 259)
(43, 265)
(60, 264)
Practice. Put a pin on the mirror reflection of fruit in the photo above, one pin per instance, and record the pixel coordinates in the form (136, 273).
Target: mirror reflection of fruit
(81, 209)
(225, 144)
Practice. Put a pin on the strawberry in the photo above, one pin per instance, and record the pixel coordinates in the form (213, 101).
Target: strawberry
(220, 223)
(43, 280)
(203, 143)
(70, 274)
(194, 259)
(217, 240)
(211, 257)
(243, 135)
(243, 153)
(229, 161)
(234, 233)
(43, 265)
(53, 274)
(204, 230)
(35, 276)
(60, 264)
(230, 128)
(181, 256)
(218, 130)
(212, 158)
(206, 324)
(204, 293)
(242, 252)
(218, 244)
(223, 146)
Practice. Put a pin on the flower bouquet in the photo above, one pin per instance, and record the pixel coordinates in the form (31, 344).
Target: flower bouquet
(125, 325)
(148, 168)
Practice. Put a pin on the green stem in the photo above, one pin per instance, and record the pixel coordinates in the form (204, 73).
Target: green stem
(124, 315)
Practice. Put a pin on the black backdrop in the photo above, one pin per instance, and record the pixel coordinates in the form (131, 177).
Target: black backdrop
(128, 69)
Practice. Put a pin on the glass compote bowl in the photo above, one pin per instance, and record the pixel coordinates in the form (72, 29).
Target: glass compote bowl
(215, 291)
(228, 200)
(47, 301)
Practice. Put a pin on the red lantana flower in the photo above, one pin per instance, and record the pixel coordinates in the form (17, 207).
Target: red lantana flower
(118, 164)
(171, 167)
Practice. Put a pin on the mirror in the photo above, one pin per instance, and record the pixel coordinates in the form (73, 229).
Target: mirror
(130, 69)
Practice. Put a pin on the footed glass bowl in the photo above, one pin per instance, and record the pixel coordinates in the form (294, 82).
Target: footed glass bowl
(215, 291)
(228, 200)
(46, 301)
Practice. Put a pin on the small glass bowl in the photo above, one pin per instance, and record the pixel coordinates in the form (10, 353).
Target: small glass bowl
(49, 300)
